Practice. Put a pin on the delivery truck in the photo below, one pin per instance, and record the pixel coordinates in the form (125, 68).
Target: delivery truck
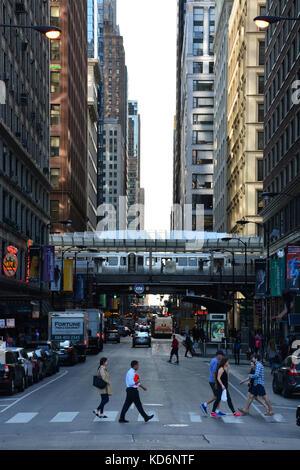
(95, 330)
(71, 325)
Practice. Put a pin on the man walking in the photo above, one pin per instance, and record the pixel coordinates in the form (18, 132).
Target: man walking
(258, 389)
(188, 345)
(174, 350)
(132, 384)
(213, 366)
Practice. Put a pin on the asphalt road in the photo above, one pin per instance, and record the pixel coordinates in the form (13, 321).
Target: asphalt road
(57, 412)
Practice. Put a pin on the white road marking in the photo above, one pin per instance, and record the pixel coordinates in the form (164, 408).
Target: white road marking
(111, 416)
(33, 391)
(276, 418)
(232, 419)
(64, 417)
(21, 418)
(195, 418)
(177, 425)
(152, 404)
(155, 417)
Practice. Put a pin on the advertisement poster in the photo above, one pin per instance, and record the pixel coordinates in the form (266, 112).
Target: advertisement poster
(49, 264)
(79, 287)
(10, 323)
(277, 277)
(34, 264)
(261, 278)
(56, 284)
(217, 331)
(10, 261)
(293, 268)
(2, 323)
(68, 275)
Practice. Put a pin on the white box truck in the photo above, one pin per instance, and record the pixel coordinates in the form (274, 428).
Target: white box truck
(70, 325)
(95, 330)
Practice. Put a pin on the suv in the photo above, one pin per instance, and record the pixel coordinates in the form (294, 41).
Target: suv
(26, 363)
(12, 374)
(51, 348)
(298, 416)
(286, 379)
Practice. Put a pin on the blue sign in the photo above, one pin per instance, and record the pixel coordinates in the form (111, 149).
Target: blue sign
(139, 288)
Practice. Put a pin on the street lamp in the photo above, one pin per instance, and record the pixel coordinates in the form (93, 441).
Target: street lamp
(51, 32)
(233, 277)
(264, 21)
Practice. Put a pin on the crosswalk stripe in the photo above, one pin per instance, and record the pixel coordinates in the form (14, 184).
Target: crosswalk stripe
(276, 418)
(195, 418)
(232, 419)
(151, 412)
(21, 418)
(64, 417)
(111, 416)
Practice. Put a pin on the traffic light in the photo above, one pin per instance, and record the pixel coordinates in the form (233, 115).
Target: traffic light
(115, 296)
(144, 296)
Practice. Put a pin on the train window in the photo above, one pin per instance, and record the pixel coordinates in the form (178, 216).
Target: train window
(192, 261)
(182, 262)
(123, 261)
(140, 261)
(148, 262)
(112, 261)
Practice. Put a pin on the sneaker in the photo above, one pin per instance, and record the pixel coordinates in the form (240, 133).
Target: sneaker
(237, 413)
(148, 418)
(214, 415)
(203, 408)
(221, 414)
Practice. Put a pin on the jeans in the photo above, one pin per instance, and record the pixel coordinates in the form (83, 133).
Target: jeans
(104, 401)
(174, 352)
(219, 394)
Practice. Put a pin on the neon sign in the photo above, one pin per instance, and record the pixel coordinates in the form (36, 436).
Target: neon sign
(10, 261)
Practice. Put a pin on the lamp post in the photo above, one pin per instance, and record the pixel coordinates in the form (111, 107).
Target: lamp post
(51, 32)
(233, 279)
(81, 249)
(264, 21)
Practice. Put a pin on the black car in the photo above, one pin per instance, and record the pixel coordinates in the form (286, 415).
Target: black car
(12, 374)
(286, 379)
(68, 353)
(50, 347)
(298, 416)
(112, 335)
(46, 362)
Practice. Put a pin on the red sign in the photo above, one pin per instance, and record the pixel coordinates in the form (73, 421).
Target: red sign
(10, 261)
(201, 312)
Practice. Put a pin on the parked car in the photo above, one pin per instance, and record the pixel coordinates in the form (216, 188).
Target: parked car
(46, 362)
(12, 374)
(298, 416)
(68, 353)
(112, 335)
(52, 348)
(25, 361)
(37, 365)
(141, 338)
(286, 378)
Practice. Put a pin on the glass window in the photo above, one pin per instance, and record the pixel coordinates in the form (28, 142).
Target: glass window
(260, 201)
(261, 52)
(197, 67)
(54, 177)
(261, 84)
(260, 140)
(54, 211)
(54, 146)
(55, 82)
(199, 85)
(55, 50)
(55, 115)
(260, 112)
(54, 16)
(260, 170)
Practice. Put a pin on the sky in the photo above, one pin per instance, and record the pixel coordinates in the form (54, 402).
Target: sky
(149, 32)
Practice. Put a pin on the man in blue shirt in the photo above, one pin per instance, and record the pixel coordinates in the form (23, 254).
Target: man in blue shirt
(213, 366)
(258, 387)
(132, 393)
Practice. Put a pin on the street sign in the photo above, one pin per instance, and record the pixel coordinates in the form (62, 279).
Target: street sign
(139, 288)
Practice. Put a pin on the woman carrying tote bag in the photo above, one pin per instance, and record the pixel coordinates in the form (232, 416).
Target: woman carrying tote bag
(106, 391)
(222, 384)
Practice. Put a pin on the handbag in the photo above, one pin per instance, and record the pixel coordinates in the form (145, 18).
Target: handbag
(98, 382)
(224, 395)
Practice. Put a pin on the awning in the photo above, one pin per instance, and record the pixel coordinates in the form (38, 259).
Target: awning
(212, 305)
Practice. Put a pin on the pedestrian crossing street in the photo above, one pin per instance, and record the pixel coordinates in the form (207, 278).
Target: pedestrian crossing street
(113, 416)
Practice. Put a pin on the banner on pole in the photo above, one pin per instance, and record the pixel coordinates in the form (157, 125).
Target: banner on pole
(68, 275)
(261, 278)
(277, 277)
(49, 262)
(293, 268)
(56, 283)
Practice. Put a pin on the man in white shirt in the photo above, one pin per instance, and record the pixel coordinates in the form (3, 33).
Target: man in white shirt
(132, 384)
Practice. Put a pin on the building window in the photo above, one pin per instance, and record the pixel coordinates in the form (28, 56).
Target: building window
(260, 169)
(204, 119)
(197, 67)
(199, 85)
(54, 146)
(203, 137)
(54, 211)
(200, 157)
(260, 140)
(55, 115)
(259, 201)
(260, 112)
(202, 181)
(54, 177)
(261, 84)
(202, 102)
(261, 52)
(211, 67)
(55, 50)
(55, 82)
(54, 16)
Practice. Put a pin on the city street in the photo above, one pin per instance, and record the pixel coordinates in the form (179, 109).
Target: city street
(57, 413)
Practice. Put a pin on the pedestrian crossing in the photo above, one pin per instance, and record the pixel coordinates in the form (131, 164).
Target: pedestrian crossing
(190, 417)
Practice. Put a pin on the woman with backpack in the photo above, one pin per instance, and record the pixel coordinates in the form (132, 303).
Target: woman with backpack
(104, 392)
(222, 385)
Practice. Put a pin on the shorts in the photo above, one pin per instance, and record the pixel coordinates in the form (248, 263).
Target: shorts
(212, 386)
(257, 390)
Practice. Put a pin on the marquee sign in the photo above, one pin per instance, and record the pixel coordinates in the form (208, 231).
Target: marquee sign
(10, 261)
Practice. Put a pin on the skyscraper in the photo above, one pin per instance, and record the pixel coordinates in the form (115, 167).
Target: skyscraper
(193, 160)
(68, 116)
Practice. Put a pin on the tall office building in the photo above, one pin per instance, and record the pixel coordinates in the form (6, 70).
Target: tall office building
(193, 159)
(282, 127)
(246, 46)
(134, 194)
(223, 9)
(24, 155)
(68, 115)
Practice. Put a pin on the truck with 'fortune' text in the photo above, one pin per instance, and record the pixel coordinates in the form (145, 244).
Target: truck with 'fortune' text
(71, 325)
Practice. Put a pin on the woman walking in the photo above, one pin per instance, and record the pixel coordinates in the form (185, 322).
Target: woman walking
(104, 392)
(222, 384)
(250, 387)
